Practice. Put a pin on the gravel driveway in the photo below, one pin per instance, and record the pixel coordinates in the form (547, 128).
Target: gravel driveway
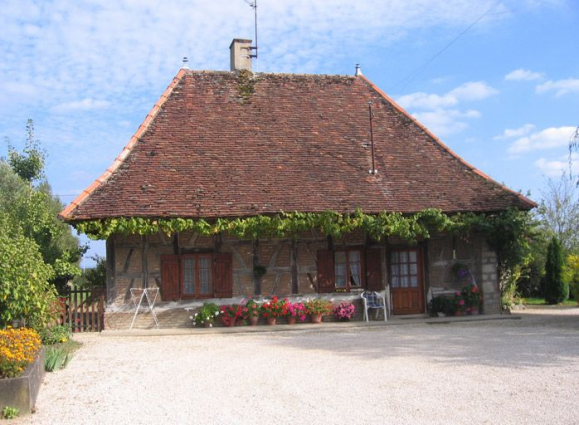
(507, 372)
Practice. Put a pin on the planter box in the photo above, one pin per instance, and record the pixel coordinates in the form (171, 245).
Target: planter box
(22, 392)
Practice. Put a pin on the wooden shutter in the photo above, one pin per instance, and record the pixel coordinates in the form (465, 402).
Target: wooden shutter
(170, 272)
(326, 274)
(223, 275)
(374, 270)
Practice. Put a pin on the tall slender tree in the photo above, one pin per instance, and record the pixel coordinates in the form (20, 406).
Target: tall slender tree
(556, 289)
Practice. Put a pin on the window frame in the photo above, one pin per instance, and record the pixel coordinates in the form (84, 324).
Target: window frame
(197, 294)
(349, 287)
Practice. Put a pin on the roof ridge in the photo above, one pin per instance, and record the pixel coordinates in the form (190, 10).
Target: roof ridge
(120, 159)
(444, 146)
(266, 74)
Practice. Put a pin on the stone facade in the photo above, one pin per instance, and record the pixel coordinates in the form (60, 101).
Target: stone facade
(291, 269)
(444, 251)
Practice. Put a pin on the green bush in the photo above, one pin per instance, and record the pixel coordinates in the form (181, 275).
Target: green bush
(55, 334)
(556, 289)
(441, 304)
(10, 412)
(25, 291)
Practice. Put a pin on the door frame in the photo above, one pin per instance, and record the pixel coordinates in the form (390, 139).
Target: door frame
(420, 250)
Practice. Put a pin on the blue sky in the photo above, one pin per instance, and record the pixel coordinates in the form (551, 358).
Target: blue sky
(497, 81)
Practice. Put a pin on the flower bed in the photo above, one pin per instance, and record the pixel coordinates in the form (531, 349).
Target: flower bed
(21, 368)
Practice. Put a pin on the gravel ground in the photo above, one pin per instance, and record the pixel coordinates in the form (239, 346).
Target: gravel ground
(507, 372)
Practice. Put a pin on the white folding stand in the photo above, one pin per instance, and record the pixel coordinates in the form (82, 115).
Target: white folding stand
(137, 296)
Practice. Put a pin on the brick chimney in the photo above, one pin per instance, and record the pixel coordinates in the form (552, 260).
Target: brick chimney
(240, 51)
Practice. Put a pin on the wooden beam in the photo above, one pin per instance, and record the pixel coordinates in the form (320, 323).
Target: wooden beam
(294, 267)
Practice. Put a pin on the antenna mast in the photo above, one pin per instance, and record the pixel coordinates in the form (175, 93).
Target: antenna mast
(253, 5)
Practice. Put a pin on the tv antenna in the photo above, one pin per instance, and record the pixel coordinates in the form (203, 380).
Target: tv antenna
(253, 5)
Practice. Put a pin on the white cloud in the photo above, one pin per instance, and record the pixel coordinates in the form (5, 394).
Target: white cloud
(440, 114)
(81, 105)
(549, 138)
(523, 75)
(471, 91)
(560, 87)
(71, 54)
(511, 133)
(556, 167)
(443, 122)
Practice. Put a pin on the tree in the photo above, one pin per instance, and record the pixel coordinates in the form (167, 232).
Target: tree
(571, 275)
(34, 210)
(29, 164)
(25, 291)
(559, 212)
(574, 148)
(556, 289)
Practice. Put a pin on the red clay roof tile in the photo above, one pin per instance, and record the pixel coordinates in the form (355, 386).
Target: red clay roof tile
(216, 145)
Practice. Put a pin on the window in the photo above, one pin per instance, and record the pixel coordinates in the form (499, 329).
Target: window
(348, 270)
(342, 271)
(196, 276)
(404, 269)
(196, 272)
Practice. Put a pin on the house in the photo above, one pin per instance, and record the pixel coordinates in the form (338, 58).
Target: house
(222, 152)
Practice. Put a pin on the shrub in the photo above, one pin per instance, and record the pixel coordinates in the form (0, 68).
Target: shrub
(556, 289)
(55, 334)
(18, 348)
(571, 275)
(10, 412)
(441, 304)
(25, 290)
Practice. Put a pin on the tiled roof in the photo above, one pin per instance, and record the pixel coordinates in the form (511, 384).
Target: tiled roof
(218, 144)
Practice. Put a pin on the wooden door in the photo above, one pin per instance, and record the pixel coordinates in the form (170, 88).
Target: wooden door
(406, 280)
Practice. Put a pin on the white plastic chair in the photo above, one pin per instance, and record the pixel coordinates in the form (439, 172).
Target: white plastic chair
(373, 300)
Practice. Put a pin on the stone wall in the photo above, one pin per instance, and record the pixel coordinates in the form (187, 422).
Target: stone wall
(444, 251)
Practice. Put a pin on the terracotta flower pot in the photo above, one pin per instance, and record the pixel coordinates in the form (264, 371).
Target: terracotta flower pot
(458, 313)
(207, 324)
(316, 318)
(291, 320)
(253, 320)
(271, 321)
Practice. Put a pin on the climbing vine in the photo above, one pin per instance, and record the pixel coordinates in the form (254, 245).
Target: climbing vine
(507, 232)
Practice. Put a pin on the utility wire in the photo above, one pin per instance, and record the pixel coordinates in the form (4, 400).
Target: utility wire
(406, 80)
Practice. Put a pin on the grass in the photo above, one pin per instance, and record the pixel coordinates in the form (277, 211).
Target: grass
(58, 356)
(541, 301)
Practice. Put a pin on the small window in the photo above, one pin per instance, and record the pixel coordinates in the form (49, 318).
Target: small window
(196, 276)
(348, 270)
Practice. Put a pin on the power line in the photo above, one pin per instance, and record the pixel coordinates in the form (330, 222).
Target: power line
(406, 80)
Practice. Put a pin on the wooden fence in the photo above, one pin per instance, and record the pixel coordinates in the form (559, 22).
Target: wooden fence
(84, 309)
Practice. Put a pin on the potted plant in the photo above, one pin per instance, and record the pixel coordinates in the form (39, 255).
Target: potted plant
(251, 311)
(316, 308)
(206, 315)
(458, 304)
(295, 312)
(273, 309)
(472, 296)
(230, 314)
(344, 311)
(441, 306)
